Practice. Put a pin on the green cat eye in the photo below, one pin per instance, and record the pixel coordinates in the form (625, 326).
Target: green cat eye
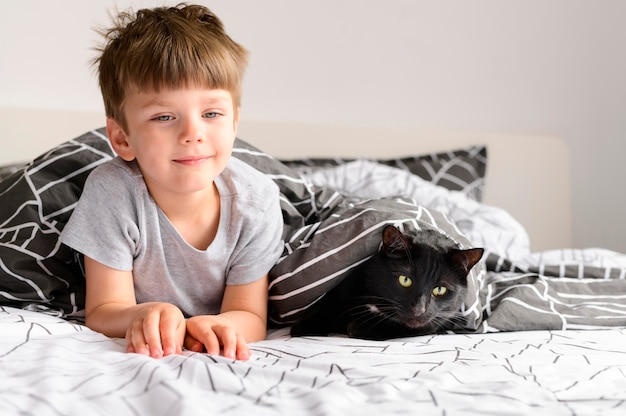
(440, 291)
(405, 281)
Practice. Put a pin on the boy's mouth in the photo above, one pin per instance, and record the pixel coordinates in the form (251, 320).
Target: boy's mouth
(192, 160)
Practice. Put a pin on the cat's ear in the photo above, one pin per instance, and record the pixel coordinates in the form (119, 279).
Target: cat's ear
(394, 242)
(466, 259)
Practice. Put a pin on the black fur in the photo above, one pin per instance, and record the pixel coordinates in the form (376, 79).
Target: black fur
(376, 301)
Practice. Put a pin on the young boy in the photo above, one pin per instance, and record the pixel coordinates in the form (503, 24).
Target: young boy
(177, 236)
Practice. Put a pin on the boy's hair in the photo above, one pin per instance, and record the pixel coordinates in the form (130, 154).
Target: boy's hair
(167, 47)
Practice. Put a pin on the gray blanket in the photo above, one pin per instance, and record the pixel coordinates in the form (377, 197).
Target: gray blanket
(327, 233)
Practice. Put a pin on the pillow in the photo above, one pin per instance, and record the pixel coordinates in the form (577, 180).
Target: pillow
(36, 272)
(458, 170)
(8, 170)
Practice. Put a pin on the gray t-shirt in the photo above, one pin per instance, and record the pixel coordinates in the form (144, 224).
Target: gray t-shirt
(118, 224)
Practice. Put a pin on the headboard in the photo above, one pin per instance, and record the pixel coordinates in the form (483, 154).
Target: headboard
(527, 174)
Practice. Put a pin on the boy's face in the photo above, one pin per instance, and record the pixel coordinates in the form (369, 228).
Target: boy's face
(182, 138)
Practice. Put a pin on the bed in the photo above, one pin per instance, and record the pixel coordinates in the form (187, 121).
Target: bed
(546, 324)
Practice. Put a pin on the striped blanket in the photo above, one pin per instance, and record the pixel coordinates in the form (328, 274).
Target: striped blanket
(333, 217)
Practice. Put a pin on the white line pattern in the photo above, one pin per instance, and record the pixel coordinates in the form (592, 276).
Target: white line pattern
(52, 367)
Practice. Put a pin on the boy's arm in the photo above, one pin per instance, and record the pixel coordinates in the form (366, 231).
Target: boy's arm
(152, 328)
(246, 306)
(243, 319)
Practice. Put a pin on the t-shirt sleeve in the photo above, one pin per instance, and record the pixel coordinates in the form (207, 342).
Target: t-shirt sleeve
(103, 226)
(263, 240)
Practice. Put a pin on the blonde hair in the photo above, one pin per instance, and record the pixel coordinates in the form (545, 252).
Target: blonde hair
(167, 47)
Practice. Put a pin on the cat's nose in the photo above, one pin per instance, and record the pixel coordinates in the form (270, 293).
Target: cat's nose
(419, 308)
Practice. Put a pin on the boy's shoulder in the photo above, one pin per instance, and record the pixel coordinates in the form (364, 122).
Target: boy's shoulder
(245, 181)
(116, 169)
(118, 166)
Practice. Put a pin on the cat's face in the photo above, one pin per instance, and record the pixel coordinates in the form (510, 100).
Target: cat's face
(416, 285)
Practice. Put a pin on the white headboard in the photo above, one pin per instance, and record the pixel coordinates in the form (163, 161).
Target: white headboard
(527, 174)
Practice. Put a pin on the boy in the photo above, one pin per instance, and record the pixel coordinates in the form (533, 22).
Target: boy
(177, 236)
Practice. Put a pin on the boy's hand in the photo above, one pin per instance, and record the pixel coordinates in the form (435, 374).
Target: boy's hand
(213, 333)
(157, 330)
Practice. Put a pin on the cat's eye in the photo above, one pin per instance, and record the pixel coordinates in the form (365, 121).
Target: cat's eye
(440, 291)
(405, 281)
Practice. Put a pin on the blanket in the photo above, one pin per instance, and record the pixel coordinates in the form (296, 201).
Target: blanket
(556, 289)
(330, 226)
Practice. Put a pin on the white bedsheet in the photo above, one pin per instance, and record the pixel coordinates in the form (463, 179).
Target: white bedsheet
(51, 367)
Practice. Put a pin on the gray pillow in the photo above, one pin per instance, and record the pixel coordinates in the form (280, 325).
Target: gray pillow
(457, 170)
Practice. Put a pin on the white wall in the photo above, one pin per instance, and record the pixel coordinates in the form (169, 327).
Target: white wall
(553, 66)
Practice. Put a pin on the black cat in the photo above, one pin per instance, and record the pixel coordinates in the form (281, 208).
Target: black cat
(412, 286)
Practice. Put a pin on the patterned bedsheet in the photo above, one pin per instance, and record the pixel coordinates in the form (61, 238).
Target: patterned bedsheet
(49, 366)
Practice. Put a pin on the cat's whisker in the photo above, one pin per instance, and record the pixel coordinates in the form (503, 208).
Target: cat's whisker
(451, 321)
(370, 320)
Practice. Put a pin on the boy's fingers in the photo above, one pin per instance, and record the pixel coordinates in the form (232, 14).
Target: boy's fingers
(193, 344)
(228, 338)
(170, 333)
(216, 337)
(211, 343)
(243, 352)
(135, 341)
(152, 335)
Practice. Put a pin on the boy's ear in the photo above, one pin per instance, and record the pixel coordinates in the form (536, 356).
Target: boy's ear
(118, 140)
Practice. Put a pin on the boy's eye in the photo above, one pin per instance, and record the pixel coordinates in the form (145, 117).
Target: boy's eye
(211, 114)
(405, 281)
(163, 118)
(440, 291)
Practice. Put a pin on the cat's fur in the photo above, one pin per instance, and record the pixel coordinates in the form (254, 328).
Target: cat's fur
(377, 301)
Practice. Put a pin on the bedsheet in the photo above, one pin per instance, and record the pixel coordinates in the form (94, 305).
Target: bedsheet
(49, 366)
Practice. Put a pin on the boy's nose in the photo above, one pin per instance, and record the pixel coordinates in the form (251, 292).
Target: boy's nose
(192, 133)
(196, 137)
